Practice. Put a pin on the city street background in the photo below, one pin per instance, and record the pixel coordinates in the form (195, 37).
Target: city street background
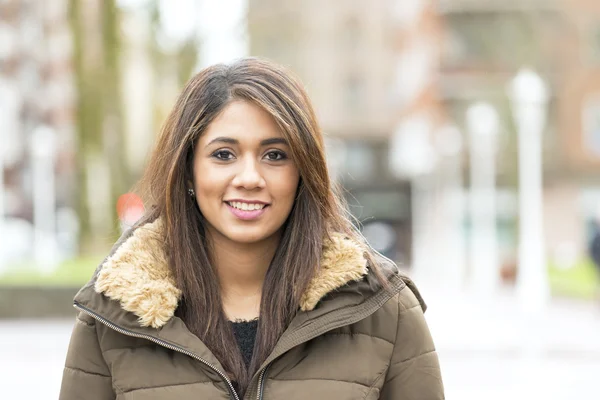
(465, 134)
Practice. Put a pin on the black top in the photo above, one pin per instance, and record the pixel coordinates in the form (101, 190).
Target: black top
(245, 334)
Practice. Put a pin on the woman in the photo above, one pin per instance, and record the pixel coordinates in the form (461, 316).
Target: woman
(246, 279)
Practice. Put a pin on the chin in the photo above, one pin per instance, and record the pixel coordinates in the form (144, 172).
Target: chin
(247, 237)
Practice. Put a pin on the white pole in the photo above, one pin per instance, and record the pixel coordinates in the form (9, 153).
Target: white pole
(421, 243)
(44, 198)
(529, 98)
(483, 123)
(450, 144)
(413, 157)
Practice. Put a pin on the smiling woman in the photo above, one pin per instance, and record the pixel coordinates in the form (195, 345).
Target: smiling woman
(246, 278)
(244, 179)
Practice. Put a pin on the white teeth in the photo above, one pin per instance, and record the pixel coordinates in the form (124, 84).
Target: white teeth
(246, 206)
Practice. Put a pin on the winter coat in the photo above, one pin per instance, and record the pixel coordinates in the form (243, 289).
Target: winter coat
(350, 339)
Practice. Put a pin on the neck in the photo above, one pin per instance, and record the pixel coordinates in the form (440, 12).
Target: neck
(242, 268)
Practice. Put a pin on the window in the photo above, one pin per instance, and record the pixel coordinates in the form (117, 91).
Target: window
(489, 38)
(465, 41)
(591, 126)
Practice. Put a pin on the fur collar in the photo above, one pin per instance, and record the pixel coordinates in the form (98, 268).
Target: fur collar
(138, 276)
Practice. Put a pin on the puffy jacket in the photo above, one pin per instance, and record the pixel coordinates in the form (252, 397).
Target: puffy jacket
(350, 339)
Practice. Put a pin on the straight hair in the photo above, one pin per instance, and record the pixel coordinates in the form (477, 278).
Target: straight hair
(318, 209)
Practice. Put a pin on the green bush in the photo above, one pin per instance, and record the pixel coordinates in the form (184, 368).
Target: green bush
(579, 281)
(74, 272)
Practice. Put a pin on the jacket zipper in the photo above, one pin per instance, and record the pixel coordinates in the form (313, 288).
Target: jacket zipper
(261, 383)
(354, 317)
(162, 343)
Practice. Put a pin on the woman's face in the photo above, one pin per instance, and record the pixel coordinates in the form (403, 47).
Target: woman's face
(244, 178)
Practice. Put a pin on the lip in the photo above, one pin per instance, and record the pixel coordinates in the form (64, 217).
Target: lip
(247, 215)
(246, 201)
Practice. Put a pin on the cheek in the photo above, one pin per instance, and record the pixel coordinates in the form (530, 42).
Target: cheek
(287, 185)
(209, 183)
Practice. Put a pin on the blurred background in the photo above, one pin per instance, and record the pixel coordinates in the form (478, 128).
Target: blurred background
(466, 134)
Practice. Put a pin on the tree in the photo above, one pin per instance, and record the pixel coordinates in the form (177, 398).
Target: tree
(96, 40)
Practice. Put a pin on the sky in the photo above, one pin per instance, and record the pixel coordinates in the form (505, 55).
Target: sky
(219, 24)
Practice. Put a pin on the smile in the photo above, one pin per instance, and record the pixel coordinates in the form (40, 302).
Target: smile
(246, 211)
(246, 206)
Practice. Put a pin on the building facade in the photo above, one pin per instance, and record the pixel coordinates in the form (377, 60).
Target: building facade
(486, 43)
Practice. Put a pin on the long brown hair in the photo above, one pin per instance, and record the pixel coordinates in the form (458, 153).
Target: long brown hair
(317, 209)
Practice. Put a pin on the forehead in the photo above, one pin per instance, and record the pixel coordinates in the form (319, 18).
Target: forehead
(244, 121)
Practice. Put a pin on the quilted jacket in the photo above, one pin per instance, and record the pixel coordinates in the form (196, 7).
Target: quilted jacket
(350, 338)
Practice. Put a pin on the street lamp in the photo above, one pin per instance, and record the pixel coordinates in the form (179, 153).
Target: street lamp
(449, 145)
(529, 96)
(483, 125)
(412, 156)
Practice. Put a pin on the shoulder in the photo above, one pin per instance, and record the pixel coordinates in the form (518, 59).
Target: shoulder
(406, 294)
(406, 299)
(384, 272)
(410, 297)
(403, 309)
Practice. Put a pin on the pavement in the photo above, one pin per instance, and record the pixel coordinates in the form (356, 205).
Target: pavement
(32, 357)
(487, 349)
(490, 348)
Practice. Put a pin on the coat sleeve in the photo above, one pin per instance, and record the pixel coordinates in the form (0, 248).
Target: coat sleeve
(86, 375)
(414, 372)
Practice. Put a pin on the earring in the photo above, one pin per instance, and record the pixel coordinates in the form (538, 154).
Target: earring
(191, 192)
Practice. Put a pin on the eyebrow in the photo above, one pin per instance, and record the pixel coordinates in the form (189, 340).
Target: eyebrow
(264, 142)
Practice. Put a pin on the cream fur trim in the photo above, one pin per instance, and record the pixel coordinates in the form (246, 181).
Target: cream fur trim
(342, 262)
(138, 276)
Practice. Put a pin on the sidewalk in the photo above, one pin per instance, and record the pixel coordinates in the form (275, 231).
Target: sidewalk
(489, 349)
(496, 324)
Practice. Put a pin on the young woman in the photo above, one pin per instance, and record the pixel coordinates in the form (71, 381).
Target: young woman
(246, 278)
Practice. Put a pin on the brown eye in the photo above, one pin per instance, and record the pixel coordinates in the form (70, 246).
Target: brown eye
(223, 155)
(275, 155)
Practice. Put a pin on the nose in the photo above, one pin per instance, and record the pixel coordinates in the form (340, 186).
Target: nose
(249, 176)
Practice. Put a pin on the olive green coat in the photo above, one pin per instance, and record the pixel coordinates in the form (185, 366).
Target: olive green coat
(347, 341)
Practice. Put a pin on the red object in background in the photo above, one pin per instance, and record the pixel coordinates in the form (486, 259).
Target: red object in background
(130, 208)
